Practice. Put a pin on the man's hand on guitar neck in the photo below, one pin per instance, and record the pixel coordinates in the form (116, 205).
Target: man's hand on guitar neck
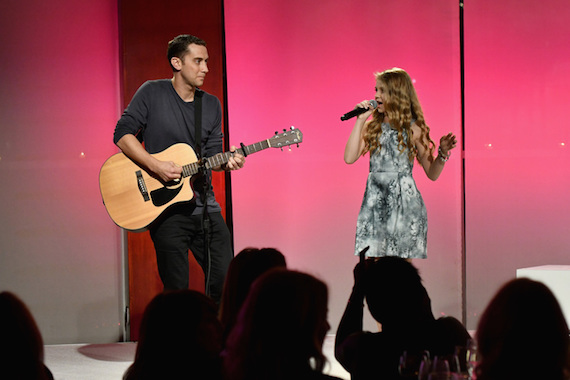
(235, 162)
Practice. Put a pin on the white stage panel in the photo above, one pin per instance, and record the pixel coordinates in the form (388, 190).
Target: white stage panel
(557, 278)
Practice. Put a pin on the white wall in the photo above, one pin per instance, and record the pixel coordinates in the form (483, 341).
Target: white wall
(59, 101)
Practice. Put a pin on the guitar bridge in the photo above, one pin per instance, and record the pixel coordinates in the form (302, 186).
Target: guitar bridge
(142, 186)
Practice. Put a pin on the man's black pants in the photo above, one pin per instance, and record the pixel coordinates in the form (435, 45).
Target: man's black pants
(179, 232)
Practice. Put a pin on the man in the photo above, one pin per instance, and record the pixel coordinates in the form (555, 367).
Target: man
(161, 114)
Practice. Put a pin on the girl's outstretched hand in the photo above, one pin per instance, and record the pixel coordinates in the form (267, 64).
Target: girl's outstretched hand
(447, 142)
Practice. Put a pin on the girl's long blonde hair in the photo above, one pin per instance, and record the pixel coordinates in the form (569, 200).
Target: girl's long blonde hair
(401, 107)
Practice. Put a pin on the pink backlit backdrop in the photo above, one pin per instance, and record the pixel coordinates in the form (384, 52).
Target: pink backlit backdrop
(304, 64)
(296, 63)
(517, 162)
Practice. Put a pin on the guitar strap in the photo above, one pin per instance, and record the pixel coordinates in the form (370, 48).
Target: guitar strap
(205, 216)
(198, 122)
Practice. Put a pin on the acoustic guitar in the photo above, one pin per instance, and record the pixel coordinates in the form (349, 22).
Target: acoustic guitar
(134, 199)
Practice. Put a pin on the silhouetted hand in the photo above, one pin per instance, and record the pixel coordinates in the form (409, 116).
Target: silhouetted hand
(359, 273)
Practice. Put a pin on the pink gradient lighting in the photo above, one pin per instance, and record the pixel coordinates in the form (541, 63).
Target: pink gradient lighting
(283, 68)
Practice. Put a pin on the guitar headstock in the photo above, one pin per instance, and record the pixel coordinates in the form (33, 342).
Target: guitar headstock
(286, 138)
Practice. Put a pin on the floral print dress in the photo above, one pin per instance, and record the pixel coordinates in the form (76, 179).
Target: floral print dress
(393, 217)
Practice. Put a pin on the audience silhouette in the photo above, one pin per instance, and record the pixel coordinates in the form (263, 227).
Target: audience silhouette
(244, 269)
(280, 329)
(398, 301)
(22, 349)
(522, 334)
(180, 338)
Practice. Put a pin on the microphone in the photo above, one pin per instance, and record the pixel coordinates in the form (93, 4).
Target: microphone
(358, 111)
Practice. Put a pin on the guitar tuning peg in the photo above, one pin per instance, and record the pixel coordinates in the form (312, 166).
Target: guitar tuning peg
(289, 148)
(297, 145)
(284, 130)
(276, 132)
(292, 127)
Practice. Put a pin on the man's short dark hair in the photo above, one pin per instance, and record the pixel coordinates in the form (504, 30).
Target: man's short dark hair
(178, 47)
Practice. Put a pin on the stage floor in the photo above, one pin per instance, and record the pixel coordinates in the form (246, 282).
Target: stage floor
(110, 361)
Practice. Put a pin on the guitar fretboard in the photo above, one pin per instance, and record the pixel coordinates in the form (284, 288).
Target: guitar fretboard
(221, 158)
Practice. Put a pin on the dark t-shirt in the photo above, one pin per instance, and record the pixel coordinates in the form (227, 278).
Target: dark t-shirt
(158, 117)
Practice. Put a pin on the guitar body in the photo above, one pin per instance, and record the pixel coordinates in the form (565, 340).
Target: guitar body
(133, 198)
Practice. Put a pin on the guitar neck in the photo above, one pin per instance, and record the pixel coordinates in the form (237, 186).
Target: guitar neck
(222, 158)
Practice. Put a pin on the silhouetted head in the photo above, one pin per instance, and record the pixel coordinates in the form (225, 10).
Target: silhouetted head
(180, 335)
(522, 334)
(280, 328)
(244, 269)
(394, 292)
(21, 344)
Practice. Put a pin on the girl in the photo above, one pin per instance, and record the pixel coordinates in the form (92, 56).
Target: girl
(393, 218)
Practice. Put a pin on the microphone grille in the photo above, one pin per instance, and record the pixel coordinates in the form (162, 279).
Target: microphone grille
(374, 103)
